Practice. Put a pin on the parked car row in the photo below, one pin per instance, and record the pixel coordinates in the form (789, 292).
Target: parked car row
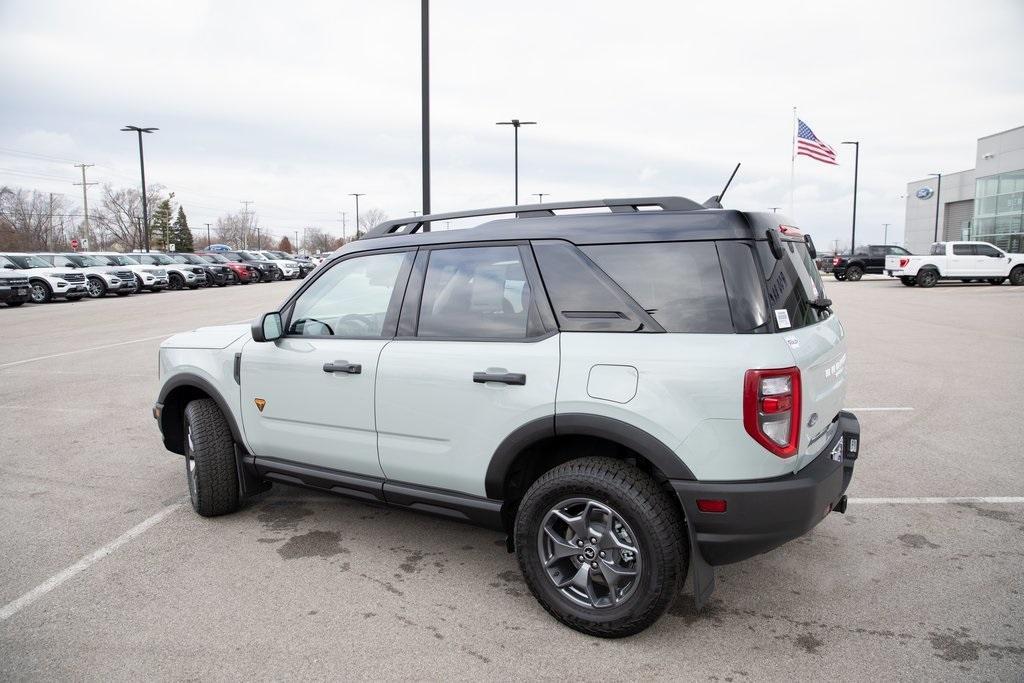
(964, 261)
(46, 276)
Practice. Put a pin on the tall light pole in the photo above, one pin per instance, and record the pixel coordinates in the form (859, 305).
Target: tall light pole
(885, 233)
(209, 240)
(142, 169)
(425, 85)
(515, 123)
(938, 193)
(856, 170)
(540, 196)
(357, 195)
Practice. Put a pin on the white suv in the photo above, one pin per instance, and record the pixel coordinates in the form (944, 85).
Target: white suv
(147, 277)
(288, 267)
(45, 281)
(179, 275)
(630, 394)
(101, 279)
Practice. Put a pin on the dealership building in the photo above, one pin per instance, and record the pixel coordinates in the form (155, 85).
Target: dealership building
(984, 203)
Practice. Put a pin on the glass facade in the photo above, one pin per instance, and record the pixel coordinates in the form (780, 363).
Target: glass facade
(999, 211)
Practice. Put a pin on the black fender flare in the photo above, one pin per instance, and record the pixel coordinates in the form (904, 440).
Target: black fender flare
(170, 419)
(582, 424)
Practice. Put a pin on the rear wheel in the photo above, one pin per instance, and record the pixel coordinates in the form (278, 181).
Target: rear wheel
(601, 546)
(97, 288)
(854, 273)
(210, 459)
(908, 281)
(1017, 276)
(928, 277)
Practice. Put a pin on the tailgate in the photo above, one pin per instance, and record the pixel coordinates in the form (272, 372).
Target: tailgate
(820, 352)
(893, 262)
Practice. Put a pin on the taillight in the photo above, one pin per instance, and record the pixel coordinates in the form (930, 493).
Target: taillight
(836, 260)
(771, 409)
(904, 262)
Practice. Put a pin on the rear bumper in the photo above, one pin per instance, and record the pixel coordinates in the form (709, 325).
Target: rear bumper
(763, 514)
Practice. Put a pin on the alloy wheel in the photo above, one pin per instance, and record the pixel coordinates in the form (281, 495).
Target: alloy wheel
(39, 293)
(95, 288)
(190, 465)
(590, 553)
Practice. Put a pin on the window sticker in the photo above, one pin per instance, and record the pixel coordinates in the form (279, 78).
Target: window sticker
(782, 317)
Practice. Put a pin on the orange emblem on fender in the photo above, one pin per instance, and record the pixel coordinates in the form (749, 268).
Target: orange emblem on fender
(260, 403)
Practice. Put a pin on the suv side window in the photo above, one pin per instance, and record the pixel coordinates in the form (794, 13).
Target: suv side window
(678, 283)
(476, 293)
(987, 250)
(358, 298)
(963, 250)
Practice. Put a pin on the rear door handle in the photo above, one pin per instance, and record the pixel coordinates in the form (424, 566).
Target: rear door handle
(517, 378)
(343, 366)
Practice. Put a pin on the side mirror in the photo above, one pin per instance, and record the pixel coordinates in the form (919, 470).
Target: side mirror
(810, 246)
(267, 328)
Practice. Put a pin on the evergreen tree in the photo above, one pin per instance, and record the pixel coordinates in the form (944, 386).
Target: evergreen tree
(181, 234)
(160, 225)
(285, 245)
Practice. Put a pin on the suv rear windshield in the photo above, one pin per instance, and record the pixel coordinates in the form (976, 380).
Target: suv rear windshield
(791, 284)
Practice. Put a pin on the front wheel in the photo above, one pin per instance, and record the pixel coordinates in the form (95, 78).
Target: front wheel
(1017, 276)
(854, 274)
(927, 278)
(40, 293)
(96, 288)
(175, 282)
(210, 459)
(601, 546)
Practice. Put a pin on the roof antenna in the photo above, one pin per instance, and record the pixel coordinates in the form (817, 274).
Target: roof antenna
(715, 201)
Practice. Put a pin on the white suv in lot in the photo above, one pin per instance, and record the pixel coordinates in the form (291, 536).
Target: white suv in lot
(147, 277)
(46, 282)
(633, 395)
(101, 279)
(179, 275)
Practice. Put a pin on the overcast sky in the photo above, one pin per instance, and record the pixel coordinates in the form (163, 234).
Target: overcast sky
(293, 105)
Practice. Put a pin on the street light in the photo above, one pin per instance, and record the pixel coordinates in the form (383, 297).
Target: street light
(357, 195)
(142, 168)
(541, 195)
(856, 169)
(938, 192)
(515, 123)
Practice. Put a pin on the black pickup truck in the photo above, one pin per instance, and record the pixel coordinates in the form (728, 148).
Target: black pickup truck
(864, 260)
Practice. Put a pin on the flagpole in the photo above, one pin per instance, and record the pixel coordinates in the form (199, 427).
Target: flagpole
(792, 166)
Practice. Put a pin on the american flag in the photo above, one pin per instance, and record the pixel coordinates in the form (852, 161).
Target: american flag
(810, 146)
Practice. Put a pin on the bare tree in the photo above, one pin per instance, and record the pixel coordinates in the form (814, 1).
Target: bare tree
(369, 219)
(120, 216)
(35, 220)
(316, 240)
(231, 229)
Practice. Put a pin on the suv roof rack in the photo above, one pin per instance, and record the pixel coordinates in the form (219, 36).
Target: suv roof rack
(408, 226)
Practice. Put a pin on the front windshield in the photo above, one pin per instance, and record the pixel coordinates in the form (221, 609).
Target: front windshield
(233, 256)
(178, 258)
(83, 261)
(215, 258)
(161, 259)
(253, 255)
(124, 261)
(30, 262)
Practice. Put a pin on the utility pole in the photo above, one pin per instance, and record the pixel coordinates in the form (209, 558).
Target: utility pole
(856, 172)
(85, 196)
(357, 195)
(209, 241)
(938, 194)
(541, 195)
(343, 226)
(245, 227)
(885, 233)
(296, 245)
(142, 170)
(515, 123)
(49, 222)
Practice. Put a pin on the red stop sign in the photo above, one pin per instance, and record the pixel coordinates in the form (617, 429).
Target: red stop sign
(74, 243)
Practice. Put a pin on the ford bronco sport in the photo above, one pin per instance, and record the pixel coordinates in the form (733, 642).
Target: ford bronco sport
(633, 395)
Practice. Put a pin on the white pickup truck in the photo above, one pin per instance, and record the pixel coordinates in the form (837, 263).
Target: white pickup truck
(963, 261)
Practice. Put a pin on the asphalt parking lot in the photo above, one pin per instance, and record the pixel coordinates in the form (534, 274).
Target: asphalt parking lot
(908, 584)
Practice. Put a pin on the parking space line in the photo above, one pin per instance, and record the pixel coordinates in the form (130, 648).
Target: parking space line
(101, 347)
(15, 606)
(991, 500)
(893, 409)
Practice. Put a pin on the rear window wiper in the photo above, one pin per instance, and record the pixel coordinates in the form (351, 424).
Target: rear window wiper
(820, 303)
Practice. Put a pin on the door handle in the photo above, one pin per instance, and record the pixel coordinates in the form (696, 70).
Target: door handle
(516, 378)
(343, 366)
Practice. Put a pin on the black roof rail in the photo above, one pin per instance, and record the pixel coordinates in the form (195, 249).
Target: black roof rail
(407, 226)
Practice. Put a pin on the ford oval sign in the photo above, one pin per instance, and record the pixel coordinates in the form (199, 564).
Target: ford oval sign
(924, 193)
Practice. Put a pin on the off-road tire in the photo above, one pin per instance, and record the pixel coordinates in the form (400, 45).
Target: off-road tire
(927, 277)
(646, 508)
(213, 489)
(1017, 276)
(908, 281)
(854, 273)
